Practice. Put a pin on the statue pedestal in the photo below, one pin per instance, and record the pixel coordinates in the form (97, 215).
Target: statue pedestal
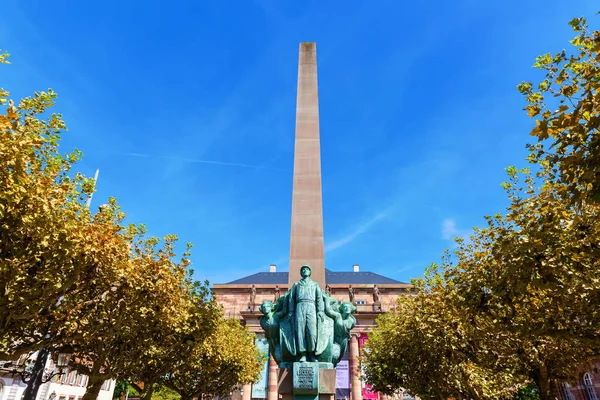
(307, 381)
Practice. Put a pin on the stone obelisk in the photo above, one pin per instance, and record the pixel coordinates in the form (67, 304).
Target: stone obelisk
(306, 244)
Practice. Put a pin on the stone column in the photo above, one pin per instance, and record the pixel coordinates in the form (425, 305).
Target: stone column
(355, 384)
(247, 395)
(272, 393)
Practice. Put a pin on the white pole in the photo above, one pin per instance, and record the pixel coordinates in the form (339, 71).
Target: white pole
(88, 202)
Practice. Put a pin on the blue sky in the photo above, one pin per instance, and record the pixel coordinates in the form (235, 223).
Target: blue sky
(187, 109)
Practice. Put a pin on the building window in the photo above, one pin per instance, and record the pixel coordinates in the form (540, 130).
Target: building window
(72, 377)
(64, 376)
(568, 394)
(106, 385)
(589, 387)
(84, 381)
(361, 302)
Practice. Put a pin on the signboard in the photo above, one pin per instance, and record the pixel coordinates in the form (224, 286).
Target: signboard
(259, 389)
(367, 390)
(342, 378)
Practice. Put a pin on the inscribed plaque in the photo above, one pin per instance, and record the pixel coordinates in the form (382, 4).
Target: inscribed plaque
(306, 378)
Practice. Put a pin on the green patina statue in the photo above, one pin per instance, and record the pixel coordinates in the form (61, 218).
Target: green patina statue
(307, 301)
(306, 324)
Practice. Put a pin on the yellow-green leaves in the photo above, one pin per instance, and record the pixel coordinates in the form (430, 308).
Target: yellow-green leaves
(225, 357)
(72, 278)
(4, 57)
(519, 300)
(567, 122)
(427, 347)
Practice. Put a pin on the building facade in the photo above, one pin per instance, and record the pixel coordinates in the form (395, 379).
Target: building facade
(586, 386)
(68, 385)
(241, 300)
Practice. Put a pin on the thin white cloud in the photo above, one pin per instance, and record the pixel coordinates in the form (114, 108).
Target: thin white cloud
(336, 244)
(198, 160)
(450, 230)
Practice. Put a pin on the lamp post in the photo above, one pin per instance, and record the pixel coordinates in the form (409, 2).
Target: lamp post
(62, 362)
(36, 376)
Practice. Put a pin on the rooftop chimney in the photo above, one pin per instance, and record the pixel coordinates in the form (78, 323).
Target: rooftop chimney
(273, 268)
(356, 267)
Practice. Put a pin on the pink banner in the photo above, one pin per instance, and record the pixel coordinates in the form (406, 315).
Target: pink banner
(367, 390)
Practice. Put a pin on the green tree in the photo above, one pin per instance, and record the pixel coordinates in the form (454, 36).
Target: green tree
(527, 392)
(173, 339)
(566, 106)
(145, 292)
(48, 240)
(45, 230)
(524, 291)
(164, 393)
(216, 364)
(427, 348)
(530, 280)
(122, 389)
(89, 285)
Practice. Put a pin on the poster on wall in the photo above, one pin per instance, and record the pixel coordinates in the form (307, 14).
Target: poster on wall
(367, 390)
(259, 389)
(342, 379)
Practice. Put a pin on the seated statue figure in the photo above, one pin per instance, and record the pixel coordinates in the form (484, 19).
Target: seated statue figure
(343, 322)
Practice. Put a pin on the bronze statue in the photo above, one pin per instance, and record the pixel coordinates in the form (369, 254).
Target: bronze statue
(343, 322)
(272, 322)
(306, 324)
(351, 294)
(305, 305)
(328, 289)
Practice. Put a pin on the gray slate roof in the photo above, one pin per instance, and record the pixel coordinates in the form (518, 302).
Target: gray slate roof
(333, 277)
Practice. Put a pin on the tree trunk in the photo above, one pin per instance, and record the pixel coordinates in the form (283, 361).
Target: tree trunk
(542, 380)
(37, 375)
(148, 390)
(93, 388)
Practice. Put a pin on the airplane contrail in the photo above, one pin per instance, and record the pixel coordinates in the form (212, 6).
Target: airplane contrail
(200, 161)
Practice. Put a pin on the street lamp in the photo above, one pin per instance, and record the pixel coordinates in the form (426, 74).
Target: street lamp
(62, 362)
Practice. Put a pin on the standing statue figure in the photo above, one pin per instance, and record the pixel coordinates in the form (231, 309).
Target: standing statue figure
(351, 294)
(376, 294)
(277, 293)
(305, 305)
(307, 324)
(328, 290)
(252, 295)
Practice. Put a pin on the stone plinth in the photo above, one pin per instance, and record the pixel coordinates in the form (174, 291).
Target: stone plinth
(307, 381)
